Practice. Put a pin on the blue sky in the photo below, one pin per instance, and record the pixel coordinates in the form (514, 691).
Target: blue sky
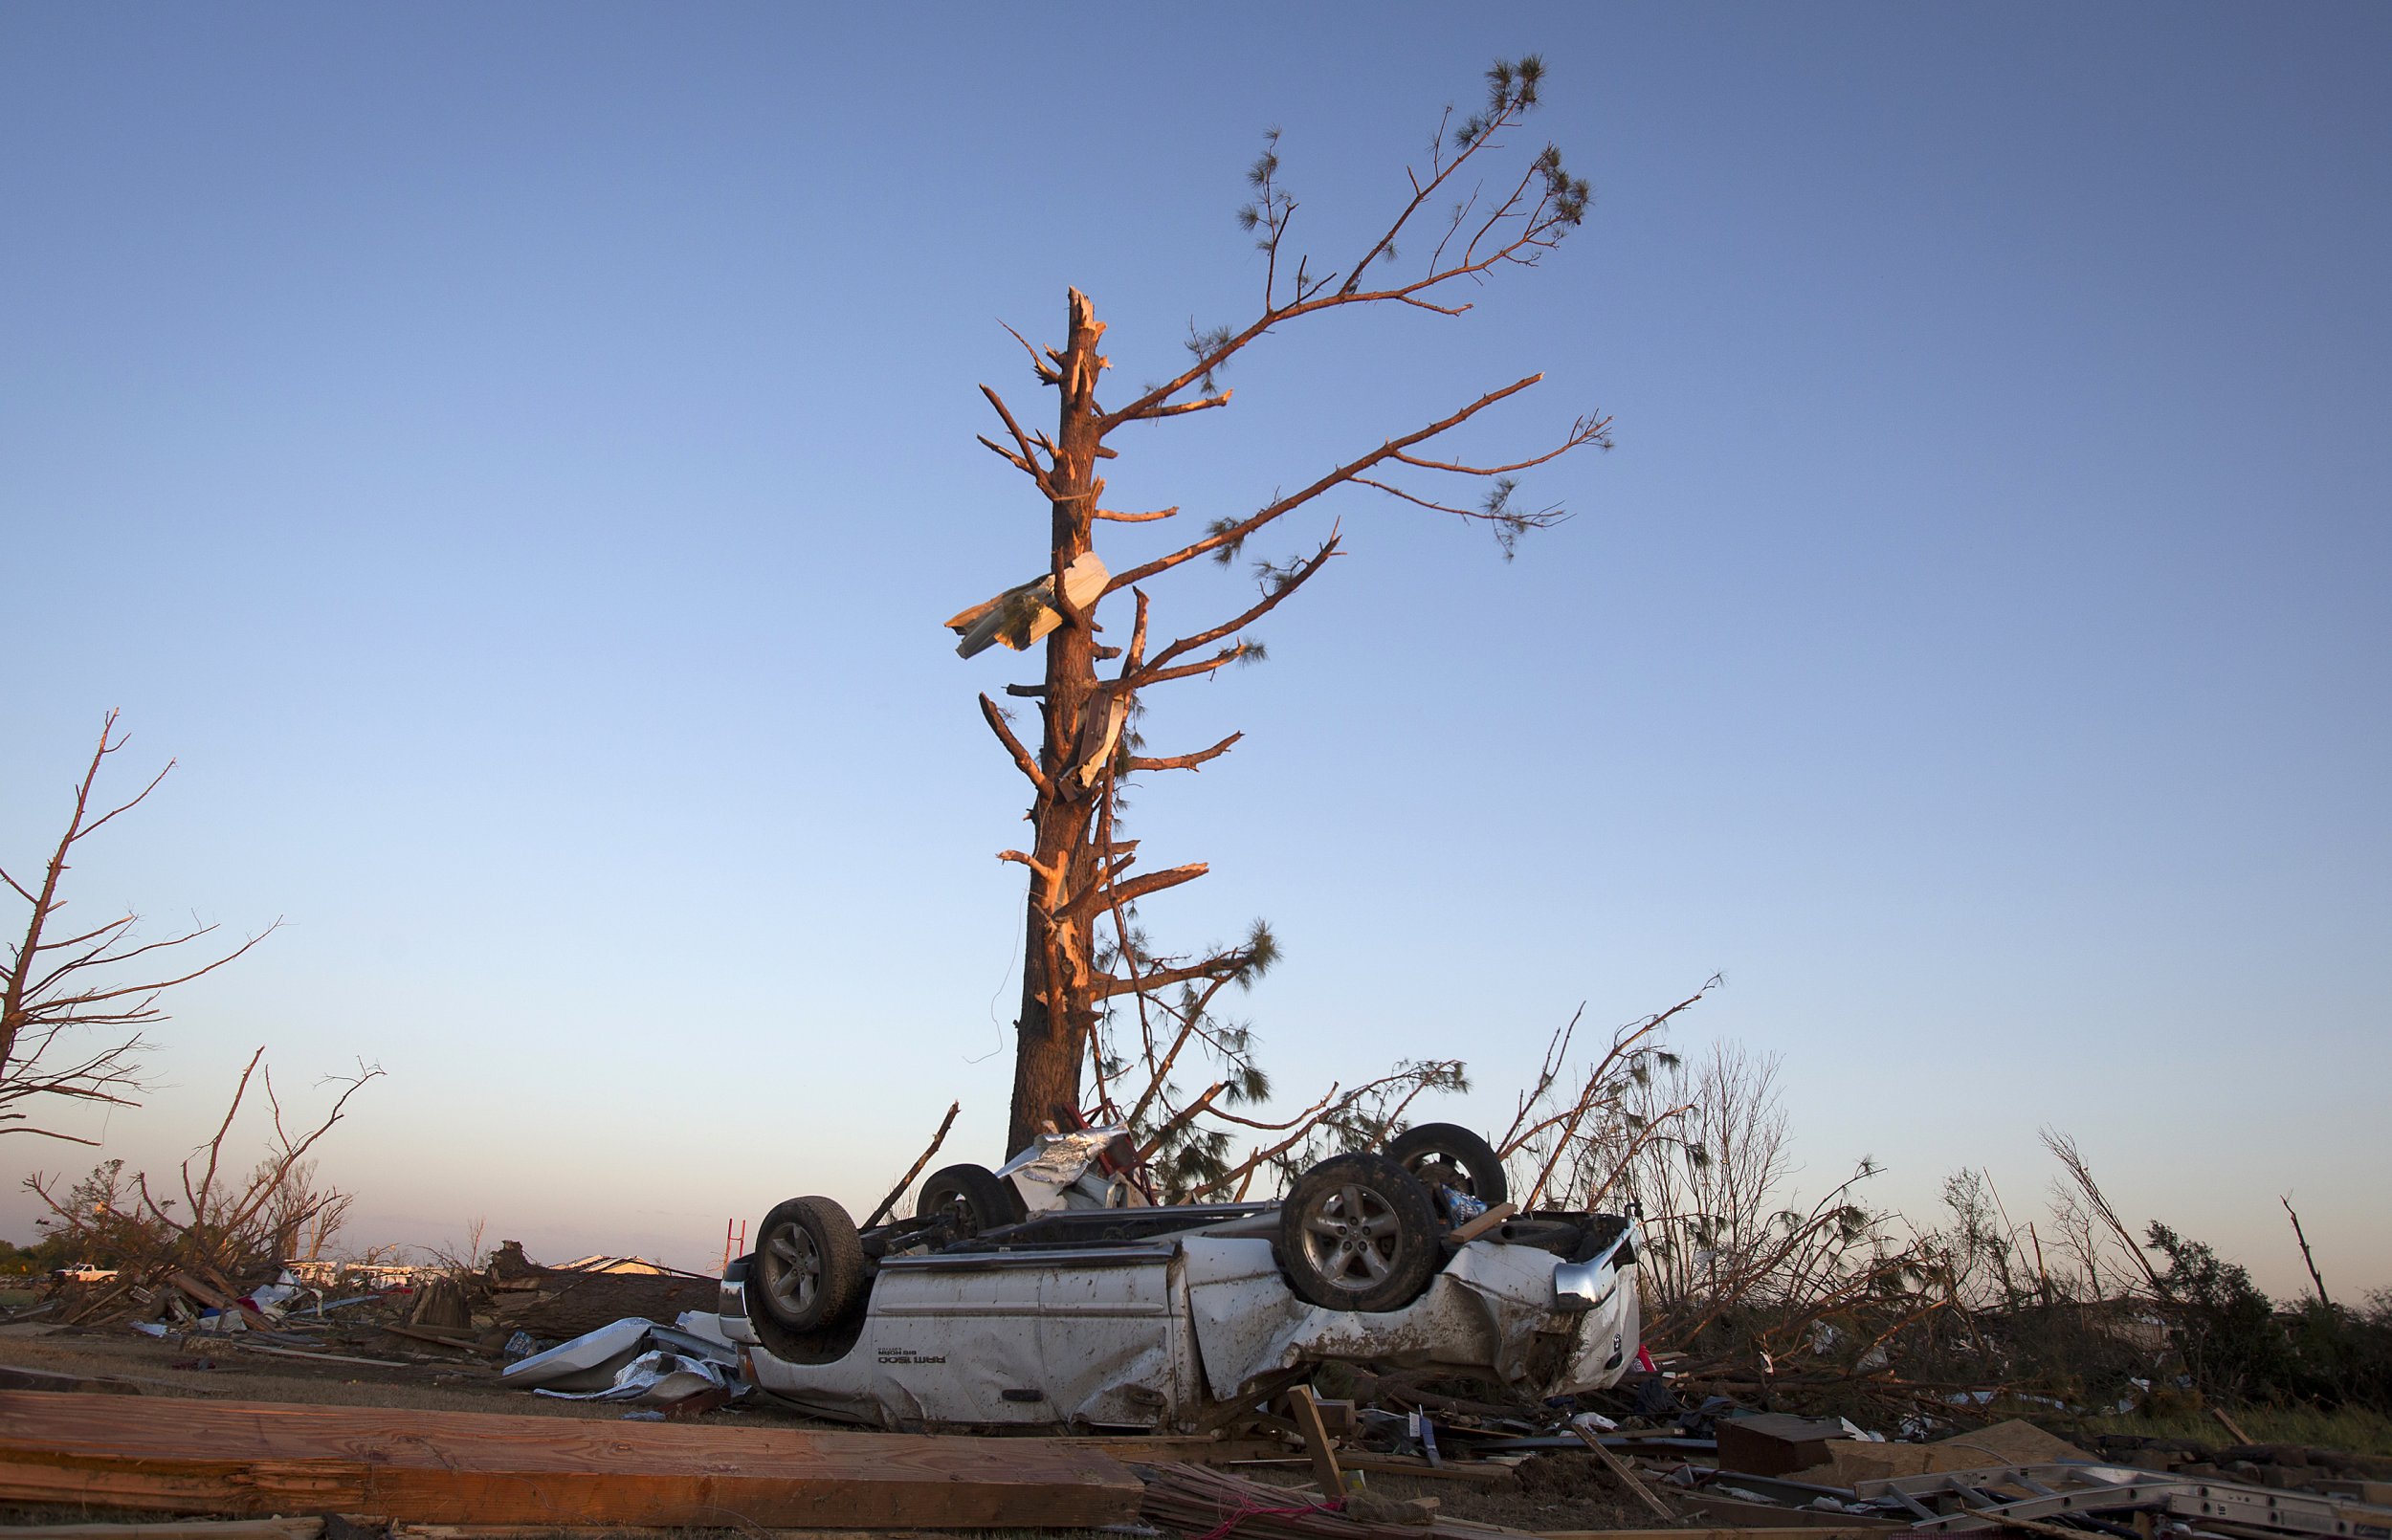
(517, 460)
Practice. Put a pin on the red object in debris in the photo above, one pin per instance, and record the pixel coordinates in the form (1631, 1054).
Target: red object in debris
(1643, 1359)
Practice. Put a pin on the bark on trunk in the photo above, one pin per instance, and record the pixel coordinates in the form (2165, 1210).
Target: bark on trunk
(1058, 966)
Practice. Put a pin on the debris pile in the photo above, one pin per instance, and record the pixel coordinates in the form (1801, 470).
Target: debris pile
(1727, 1466)
(512, 1309)
(583, 1296)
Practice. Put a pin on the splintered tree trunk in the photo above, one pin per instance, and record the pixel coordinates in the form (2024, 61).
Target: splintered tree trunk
(1058, 964)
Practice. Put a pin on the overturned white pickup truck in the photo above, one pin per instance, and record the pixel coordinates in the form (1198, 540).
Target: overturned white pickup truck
(1084, 1307)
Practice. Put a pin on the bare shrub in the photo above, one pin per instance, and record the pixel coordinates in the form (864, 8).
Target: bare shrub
(234, 1225)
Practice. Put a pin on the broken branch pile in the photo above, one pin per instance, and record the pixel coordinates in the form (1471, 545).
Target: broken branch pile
(565, 1302)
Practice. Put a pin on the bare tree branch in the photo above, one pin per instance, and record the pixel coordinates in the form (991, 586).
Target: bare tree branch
(1022, 759)
(55, 986)
(1200, 405)
(1239, 530)
(1184, 762)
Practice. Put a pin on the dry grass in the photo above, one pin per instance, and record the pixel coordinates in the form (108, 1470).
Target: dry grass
(2360, 1432)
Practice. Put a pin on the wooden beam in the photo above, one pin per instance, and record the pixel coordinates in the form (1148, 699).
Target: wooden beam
(439, 1338)
(1465, 1234)
(1262, 1388)
(1307, 1418)
(313, 1356)
(1626, 1478)
(1161, 1449)
(471, 1467)
(1469, 1470)
(1797, 1531)
(611, 1531)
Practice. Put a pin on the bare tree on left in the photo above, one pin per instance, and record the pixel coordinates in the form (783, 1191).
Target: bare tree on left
(76, 998)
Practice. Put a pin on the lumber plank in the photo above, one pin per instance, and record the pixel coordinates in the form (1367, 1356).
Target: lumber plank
(482, 1468)
(1469, 1470)
(314, 1357)
(612, 1531)
(1624, 1475)
(176, 1530)
(1463, 1235)
(1307, 1416)
(1133, 1449)
(1795, 1531)
(418, 1333)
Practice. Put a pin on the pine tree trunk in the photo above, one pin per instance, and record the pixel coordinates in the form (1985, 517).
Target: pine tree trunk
(1058, 966)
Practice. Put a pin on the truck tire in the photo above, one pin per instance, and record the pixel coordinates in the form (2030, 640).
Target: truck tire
(976, 1197)
(1358, 1232)
(809, 1272)
(1448, 1156)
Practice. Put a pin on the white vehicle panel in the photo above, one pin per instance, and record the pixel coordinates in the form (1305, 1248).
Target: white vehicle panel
(1150, 1335)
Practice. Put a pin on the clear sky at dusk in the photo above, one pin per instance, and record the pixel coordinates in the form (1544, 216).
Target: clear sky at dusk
(517, 459)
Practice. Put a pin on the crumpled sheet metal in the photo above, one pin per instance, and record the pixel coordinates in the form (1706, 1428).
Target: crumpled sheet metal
(654, 1379)
(1484, 1311)
(590, 1364)
(1053, 1162)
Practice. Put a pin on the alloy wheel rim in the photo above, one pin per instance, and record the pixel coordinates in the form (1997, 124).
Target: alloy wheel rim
(1352, 1238)
(797, 1271)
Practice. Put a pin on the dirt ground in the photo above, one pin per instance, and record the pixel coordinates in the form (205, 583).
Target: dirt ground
(1551, 1491)
(226, 1370)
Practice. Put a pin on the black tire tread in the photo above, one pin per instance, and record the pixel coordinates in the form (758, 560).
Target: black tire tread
(1414, 1147)
(992, 1200)
(841, 1290)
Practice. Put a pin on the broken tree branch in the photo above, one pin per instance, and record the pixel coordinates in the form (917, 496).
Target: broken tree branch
(1022, 759)
(915, 1170)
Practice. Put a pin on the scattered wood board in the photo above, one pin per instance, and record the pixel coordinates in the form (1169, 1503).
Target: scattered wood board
(1161, 1450)
(2014, 1443)
(1469, 1470)
(1625, 1476)
(1307, 1417)
(611, 1531)
(1464, 1235)
(471, 1468)
(219, 1295)
(313, 1356)
(438, 1338)
(1764, 1532)
(1240, 1407)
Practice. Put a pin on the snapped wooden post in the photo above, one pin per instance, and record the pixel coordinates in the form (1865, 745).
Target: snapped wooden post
(1305, 1412)
(1620, 1468)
